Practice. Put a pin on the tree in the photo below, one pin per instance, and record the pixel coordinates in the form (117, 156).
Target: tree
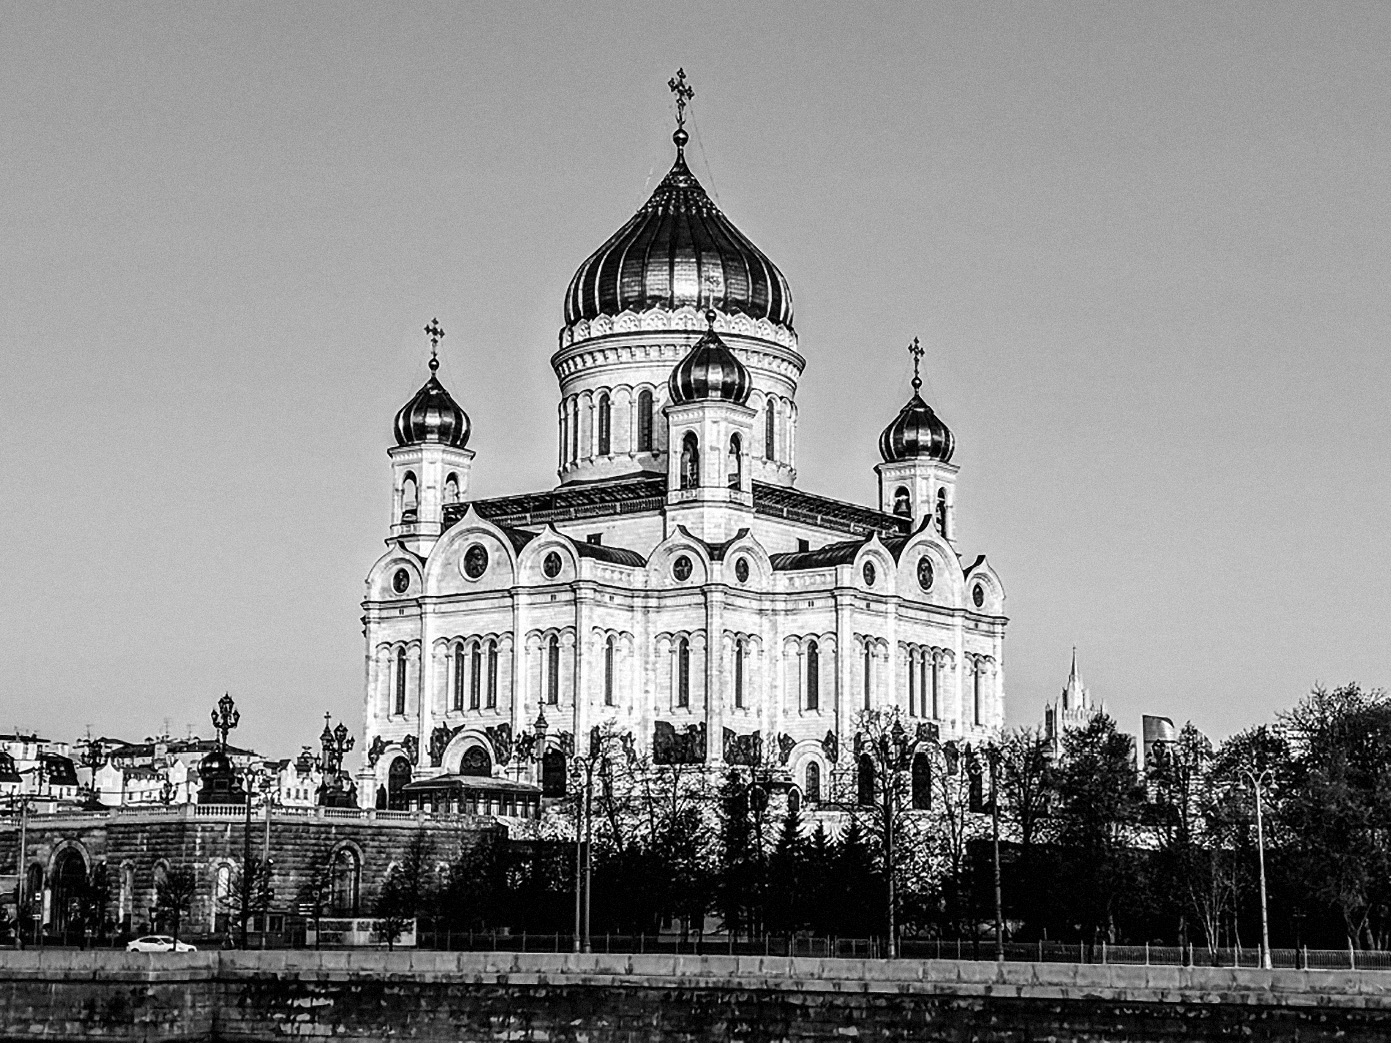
(789, 877)
(248, 893)
(410, 891)
(1098, 809)
(174, 892)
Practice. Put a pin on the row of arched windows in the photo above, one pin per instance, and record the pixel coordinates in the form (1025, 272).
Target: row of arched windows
(475, 675)
(690, 462)
(924, 683)
(903, 506)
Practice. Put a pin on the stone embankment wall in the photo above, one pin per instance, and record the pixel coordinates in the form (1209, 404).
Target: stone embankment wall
(430, 996)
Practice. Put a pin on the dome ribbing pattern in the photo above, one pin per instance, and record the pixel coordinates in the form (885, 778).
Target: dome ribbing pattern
(916, 433)
(432, 416)
(679, 250)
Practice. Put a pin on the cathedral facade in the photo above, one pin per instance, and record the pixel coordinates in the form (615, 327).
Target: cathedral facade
(675, 588)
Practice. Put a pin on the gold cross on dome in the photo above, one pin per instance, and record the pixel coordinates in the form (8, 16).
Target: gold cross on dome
(684, 93)
(436, 334)
(916, 350)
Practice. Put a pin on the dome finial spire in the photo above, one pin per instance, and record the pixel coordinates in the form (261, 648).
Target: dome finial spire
(684, 93)
(916, 350)
(436, 334)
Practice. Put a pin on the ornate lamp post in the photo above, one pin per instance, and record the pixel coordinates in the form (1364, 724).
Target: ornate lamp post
(892, 750)
(335, 742)
(1258, 779)
(225, 718)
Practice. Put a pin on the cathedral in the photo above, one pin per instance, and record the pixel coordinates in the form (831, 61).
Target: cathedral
(676, 588)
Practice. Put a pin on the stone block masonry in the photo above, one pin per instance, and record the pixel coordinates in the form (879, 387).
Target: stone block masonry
(434, 996)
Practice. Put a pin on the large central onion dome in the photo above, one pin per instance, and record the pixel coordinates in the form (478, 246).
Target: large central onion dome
(679, 250)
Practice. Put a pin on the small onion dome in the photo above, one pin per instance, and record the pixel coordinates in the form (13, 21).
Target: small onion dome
(432, 416)
(710, 370)
(916, 433)
(671, 252)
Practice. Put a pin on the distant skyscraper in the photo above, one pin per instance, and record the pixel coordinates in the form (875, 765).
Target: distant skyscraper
(1072, 709)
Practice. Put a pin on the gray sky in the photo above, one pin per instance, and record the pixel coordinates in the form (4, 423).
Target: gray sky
(1145, 244)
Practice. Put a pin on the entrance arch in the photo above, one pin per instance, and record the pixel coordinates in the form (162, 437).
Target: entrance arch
(69, 891)
(397, 775)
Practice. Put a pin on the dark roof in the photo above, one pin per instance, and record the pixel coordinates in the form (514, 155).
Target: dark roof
(613, 555)
(716, 551)
(778, 501)
(822, 558)
(142, 750)
(60, 770)
(573, 502)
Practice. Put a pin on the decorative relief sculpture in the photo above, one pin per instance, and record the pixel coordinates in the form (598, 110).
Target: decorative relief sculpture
(501, 738)
(375, 751)
(785, 745)
(743, 749)
(669, 747)
(439, 739)
(412, 747)
(830, 745)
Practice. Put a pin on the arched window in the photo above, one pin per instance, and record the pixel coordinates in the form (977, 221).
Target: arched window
(936, 668)
(813, 676)
(739, 674)
(683, 672)
(609, 648)
(922, 782)
(410, 498)
(475, 675)
(975, 693)
(459, 678)
(903, 504)
(222, 896)
(553, 670)
(864, 782)
(476, 763)
(869, 661)
(347, 876)
(813, 786)
(770, 431)
(396, 778)
(553, 774)
(400, 681)
(644, 421)
(492, 675)
(942, 512)
(690, 461)
(451, 489)
(605, 424)
(736, 462)
(912, 683)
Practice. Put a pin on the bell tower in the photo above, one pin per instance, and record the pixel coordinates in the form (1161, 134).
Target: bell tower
(430, 462)
(917, 479)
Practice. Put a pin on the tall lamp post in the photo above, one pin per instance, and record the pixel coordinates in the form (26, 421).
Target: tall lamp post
(582, 770)
(893, 750)
(1258, 780)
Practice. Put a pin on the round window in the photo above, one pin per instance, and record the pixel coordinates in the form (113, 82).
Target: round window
(925, 572)
(401, 582)
(741, 570)
(681, 568)
(978, 595)
(475, 561)
(869, 573)
(551, 565)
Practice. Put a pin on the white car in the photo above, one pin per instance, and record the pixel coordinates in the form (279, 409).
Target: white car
(159, 943)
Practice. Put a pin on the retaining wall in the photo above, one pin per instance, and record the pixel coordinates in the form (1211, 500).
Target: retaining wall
(434, 996)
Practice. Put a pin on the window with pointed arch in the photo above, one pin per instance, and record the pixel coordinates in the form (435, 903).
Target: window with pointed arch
(347, 878)
(690, 461)
(610, 650)
(942, 512)
(813, 676)
(869, 676)
(812, 788)
(740, 650)
(400, 682)
(976, 692)
(492, 675)
(736, 462)
(605, 424)
(770, 431)
(922, 782)
(644, 421)
(864, 782)
(683, 673)
(475, 678)
(457, 702)
(553, 670)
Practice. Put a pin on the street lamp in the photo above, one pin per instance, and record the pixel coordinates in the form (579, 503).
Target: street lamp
(893, 749)
(225, 718)
(1257, 780)
(582, 767)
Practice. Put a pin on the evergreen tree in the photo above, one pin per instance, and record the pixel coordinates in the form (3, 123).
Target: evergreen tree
(788, 876)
